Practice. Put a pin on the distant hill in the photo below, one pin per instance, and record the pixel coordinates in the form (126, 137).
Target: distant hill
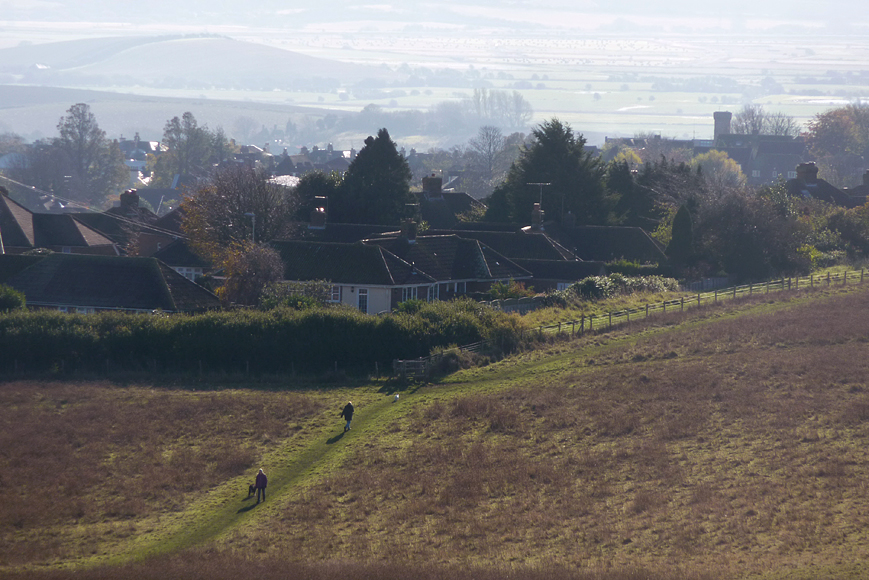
(181, 62)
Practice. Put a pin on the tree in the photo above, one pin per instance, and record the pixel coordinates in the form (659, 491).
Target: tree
(718, 169)
(249, 268)
(189, 149)
(11, 299)
(238, 204)
(680, 248)
(317, 184)
(753, 120)
(487, 147)
(376, 187)
(558, 157)
(839, 141)
(94, 164)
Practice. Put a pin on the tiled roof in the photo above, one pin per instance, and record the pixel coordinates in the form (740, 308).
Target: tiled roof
(449, 257)
(21, 228)
(11, 264)
(606, 243)
(562, 270)
(515, 245)
(342, 233)
(178, 253)
(346, 264)
(108, 282)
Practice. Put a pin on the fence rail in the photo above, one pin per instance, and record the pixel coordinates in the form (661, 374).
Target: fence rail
(422, 367)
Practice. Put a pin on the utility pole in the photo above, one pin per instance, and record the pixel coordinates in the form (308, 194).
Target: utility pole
(541, 191)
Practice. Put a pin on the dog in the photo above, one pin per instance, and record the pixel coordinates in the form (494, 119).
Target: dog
(251, 490)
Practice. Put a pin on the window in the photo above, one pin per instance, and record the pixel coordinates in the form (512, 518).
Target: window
(408, 293)
(335, 294)
(433, 292)
(363, 300)
(792, 174)
(774, 174)
(755, 172)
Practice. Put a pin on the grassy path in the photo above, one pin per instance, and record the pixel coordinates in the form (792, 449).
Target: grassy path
(291, 469)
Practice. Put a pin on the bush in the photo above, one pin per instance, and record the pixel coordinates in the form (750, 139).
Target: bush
(11, 299)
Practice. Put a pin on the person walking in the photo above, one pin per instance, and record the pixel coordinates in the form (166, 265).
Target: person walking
(261, 482)
(347, 413)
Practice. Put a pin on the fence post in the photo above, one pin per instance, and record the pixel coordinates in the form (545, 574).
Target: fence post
(789, 283)
(861, 275)
(715, 298)
(682, 303)
(828, 278)
(845, 279)
(812, 279)
(751, 288)
(767, 286)
(647, 310)
(665, 306)
(628, 313)
(591, 322)
(611, 319)
(734, 292)
(698, 299)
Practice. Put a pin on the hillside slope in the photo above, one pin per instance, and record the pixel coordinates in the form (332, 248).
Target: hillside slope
(721, 443)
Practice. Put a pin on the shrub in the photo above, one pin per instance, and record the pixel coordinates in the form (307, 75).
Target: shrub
(11, 299)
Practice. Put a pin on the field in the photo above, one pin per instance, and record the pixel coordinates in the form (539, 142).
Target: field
(603, 84)
(723, 442)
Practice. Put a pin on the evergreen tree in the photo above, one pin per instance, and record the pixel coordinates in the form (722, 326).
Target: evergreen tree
(681, 242)
(376, 187)
(558, 157)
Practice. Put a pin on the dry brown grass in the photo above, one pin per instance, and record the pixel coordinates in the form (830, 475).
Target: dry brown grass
(714, 450)
(84, 465)
(737, 447)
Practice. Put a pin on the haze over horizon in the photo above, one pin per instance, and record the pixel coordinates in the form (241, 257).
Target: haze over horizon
(560, 54)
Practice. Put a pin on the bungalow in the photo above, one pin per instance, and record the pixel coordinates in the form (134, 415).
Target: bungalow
(85, 284)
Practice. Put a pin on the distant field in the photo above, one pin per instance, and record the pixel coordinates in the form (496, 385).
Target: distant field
(597, 83)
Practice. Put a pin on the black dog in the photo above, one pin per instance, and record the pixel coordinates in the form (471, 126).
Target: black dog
(251, 489)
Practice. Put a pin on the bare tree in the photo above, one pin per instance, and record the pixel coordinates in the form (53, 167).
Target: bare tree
(487, 147)
(753, 120)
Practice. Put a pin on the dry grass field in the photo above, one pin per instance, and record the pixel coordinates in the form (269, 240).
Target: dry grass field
(725, 442)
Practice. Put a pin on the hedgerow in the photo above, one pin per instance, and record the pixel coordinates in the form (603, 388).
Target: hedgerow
(282, 340)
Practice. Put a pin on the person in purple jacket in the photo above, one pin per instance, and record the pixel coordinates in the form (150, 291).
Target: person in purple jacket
(261, 483)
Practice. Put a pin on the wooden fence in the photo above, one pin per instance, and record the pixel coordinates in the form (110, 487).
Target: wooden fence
(421, 368)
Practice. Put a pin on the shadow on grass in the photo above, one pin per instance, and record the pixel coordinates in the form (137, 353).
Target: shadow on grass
(336, 438)
(247, 508)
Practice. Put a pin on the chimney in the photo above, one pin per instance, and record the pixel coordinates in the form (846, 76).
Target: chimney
(537, 215)
(408, 230)
(130, 202)
(722, 123)
(431, 186)
(318, 219)
(807, 172)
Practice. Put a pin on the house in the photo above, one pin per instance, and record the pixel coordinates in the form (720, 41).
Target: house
(860, 193)
(377, 274)
(459, 266)
(366, 277)
(86, 284)
(807, 184)
(22, 230)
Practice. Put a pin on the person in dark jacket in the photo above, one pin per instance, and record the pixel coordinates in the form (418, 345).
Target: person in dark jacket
(261, 483)
(347, 413)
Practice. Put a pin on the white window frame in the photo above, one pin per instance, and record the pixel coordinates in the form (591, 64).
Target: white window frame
(409, 293)
(792, 174)
(433, 292)
(335, 294)
(755, 172)
(362, 292)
